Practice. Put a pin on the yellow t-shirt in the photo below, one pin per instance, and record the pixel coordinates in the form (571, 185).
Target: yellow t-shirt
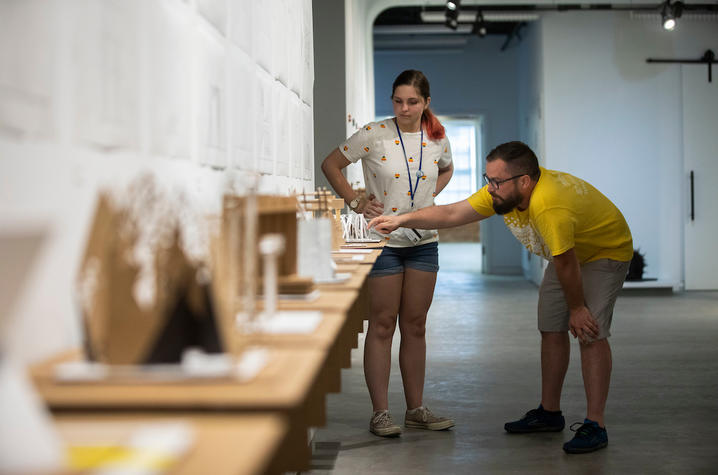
(565, 212)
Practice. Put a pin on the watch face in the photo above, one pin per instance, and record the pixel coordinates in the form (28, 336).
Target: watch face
(354, 203)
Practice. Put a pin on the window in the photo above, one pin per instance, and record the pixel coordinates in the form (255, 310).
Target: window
(464, 135)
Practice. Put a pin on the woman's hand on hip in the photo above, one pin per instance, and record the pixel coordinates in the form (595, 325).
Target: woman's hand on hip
(372, 208)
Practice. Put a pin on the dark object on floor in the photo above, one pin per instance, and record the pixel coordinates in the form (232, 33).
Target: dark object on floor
(635, 269)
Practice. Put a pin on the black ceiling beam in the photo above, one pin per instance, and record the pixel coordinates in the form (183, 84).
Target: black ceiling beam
(412, 15)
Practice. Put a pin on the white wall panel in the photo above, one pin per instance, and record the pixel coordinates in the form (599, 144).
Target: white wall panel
(281, 34)
(307, 143)
(243, 113)
(296, 131)
(170, 64)
(282, 142)
(264, 126)
(294, 45)
(27, 37)
(262, 34)
(215, 12)
(105, 63)
(211, 100)
(95, 92)
(306, 54)
(241, 30)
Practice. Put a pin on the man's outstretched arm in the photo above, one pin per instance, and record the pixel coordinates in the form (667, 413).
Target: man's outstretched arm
(433, 217)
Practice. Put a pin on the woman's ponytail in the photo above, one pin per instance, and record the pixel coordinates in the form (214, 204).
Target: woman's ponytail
(433, 127)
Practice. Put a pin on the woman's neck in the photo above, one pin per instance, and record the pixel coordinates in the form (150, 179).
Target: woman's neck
(409, 128)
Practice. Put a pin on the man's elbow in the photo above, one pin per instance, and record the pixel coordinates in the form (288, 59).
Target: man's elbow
(326, 166)
(565, 259)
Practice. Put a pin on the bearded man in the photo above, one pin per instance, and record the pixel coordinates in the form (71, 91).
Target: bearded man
(588, 245)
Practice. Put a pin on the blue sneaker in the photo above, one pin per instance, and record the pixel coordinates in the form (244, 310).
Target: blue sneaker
(589, 437)
(537, 420)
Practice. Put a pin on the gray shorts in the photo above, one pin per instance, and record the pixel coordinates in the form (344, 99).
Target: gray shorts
(602, 281)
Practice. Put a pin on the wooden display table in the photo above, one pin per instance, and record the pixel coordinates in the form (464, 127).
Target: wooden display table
(223, 444)
(288, 385)
(357, 283)
(333, 335)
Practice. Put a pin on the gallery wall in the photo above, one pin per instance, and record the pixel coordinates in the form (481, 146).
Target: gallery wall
(615, 120)
(94, 93)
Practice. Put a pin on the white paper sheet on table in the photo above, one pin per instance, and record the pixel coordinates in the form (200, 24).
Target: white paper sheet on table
(338, 278)
(353, 251)
(310, 297)
(290, 322)
(195, 366)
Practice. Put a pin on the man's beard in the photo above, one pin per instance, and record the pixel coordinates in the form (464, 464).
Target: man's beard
(507, 204)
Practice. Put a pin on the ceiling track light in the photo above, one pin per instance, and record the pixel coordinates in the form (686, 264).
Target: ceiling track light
(452, 14)
(479, 29)
(670, 12)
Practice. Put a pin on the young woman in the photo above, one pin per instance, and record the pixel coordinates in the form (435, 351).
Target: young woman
(406, 162)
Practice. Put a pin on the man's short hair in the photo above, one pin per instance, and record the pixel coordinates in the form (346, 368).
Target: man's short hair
(518, 156)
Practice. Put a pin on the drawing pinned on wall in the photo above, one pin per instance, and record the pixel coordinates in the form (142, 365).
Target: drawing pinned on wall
(281, 32)
(293, 46)
(169, 83)
(106, 86)
(308, 142)
(211, 104)
(264, 122)
(240, 23)
(282, 139)
(26, 76)
(297, 132)
(215, 12)
(307, 53)
(242, 111)
(262, 34)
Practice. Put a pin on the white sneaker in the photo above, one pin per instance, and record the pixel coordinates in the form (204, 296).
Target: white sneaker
(423, 418)
(383, 425)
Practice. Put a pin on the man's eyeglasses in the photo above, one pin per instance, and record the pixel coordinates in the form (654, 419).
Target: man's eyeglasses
(496, 183)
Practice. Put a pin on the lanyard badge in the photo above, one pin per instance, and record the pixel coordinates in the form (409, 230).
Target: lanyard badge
(419, 172)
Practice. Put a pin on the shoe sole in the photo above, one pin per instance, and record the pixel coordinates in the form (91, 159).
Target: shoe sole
(433, 426)
(586, 450)
(529, 431)
(391, 432)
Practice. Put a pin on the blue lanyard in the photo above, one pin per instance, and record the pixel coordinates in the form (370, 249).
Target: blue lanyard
(419, 172)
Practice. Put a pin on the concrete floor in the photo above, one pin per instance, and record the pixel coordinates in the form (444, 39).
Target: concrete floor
(483, 370)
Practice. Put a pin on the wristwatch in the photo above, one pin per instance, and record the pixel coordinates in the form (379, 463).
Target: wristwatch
(354, 203)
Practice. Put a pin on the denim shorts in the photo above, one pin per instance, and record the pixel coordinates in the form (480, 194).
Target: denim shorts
(393, 260)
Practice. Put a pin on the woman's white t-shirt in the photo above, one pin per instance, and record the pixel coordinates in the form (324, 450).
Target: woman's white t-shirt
(379, 148)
